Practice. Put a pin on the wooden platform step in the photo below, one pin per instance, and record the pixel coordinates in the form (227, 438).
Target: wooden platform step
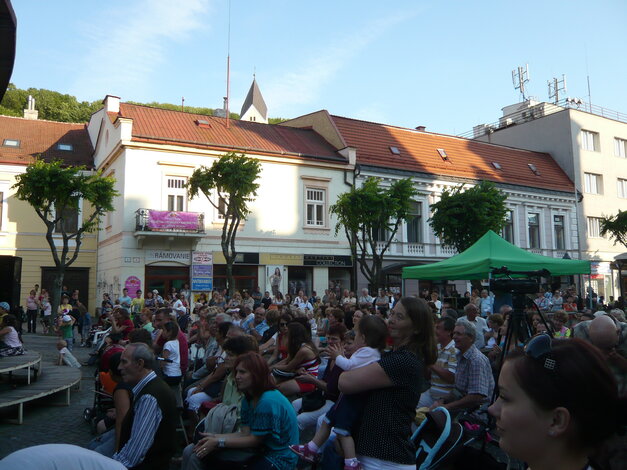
(30, 361)
(55, 380)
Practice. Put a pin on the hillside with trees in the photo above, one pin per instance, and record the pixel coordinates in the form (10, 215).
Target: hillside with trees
(55, 106)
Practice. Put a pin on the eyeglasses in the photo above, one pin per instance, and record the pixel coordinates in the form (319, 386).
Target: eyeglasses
(282, 324)
(539, 348)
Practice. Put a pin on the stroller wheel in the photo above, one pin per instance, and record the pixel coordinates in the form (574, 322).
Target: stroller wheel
(88, 414)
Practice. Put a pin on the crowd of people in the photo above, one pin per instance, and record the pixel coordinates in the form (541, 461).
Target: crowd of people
(264, 380)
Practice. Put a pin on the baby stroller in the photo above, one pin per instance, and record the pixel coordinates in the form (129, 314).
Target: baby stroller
(103, 399)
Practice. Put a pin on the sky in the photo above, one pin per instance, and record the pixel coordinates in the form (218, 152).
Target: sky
(441, 64)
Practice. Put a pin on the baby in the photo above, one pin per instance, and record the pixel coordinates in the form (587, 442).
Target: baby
(65, 356)
(345, 414)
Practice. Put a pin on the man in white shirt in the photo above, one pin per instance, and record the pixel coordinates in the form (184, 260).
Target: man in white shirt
(365, 297)
(443, 371)
(481, 326)
(301, 301)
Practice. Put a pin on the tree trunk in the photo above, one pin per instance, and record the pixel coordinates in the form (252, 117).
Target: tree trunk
(56, 289)
(230, 283)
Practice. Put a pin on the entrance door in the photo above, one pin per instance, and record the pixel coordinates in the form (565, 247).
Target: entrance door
(75, 278)
(164, 278)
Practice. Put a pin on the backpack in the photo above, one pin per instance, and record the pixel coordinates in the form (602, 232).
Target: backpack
(437, 439)
(221, 419)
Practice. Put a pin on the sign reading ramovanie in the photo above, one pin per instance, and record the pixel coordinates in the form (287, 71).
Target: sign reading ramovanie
(168, 255)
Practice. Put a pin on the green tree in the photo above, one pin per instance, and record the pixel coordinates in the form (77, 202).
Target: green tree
(616, 227)
(461, 217)
(229, 185)
(55, 192)
(365, 213)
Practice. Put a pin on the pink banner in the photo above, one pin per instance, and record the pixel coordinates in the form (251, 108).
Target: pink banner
(164, 220)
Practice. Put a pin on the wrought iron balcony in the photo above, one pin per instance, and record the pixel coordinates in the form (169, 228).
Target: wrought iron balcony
(168, 222)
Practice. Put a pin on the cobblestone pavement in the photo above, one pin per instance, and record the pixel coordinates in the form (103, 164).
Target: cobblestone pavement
(43, 423)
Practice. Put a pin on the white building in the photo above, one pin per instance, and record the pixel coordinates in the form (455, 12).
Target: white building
(152, 152)
(541, 197)
(590, 144)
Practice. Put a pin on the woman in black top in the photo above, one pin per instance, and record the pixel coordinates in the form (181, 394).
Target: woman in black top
(395, 384)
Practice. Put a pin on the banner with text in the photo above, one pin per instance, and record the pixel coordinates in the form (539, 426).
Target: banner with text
(202, 271)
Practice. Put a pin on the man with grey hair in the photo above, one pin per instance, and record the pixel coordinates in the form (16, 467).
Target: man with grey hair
(365, 297)
(145, 439)
(474, 382)
(471, 313)
(610, 336)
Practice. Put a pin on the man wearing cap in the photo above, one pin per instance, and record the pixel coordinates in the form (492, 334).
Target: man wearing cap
(158, 298)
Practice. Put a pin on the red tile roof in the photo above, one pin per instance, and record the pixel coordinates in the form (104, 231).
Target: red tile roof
(41, 138)
(465, 158)
(176, 127)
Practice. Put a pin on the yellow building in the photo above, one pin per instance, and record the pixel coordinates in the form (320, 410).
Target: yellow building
(25, 256)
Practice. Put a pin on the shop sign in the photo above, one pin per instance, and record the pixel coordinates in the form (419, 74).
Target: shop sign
(202, 271)
(172, 221)
(133, 284)
(168, 255)
(600, 267)
(326, 260)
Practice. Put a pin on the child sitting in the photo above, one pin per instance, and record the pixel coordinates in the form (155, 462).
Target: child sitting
(345, 414)
(65, 356)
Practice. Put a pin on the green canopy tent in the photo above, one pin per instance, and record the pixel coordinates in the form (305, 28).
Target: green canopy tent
(492, 251)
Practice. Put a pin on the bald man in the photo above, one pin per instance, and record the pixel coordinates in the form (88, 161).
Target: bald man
(611, 338)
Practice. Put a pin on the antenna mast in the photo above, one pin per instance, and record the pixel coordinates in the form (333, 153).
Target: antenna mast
(555, 86)
(228, 68)
(520, 76)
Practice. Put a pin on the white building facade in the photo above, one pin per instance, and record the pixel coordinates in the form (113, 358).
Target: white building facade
(156, 238)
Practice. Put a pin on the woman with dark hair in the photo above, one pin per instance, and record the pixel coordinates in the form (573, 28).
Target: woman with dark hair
(121, 322)
(279, 345)
(545, 414)
(302, 357)
(268, 425)
(171, 354)
(395, 383)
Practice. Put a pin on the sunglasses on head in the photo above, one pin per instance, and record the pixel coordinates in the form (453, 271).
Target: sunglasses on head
(539, 348)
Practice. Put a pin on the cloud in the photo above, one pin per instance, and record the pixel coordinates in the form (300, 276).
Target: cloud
(127, 46)
(304, 83)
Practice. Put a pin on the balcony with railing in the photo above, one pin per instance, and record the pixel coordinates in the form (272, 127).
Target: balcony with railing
(168, 223)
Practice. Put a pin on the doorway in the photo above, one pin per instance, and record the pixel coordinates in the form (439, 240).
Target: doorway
(164, 278)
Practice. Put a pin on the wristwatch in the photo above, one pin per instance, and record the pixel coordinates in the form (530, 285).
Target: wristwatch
(221, 442)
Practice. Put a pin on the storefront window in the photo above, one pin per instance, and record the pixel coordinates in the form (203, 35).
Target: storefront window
(299, 278)
(244, 277)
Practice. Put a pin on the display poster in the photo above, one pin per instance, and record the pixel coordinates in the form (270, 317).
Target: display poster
(133, 284)
(275, 279)
(202, 271)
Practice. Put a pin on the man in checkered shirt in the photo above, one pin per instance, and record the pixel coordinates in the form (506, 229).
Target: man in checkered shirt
(474, 382)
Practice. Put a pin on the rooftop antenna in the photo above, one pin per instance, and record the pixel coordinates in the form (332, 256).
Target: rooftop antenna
(520, 76)
(228, 68)
(555, 87)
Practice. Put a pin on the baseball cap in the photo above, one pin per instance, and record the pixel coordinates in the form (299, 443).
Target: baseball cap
(5, 306)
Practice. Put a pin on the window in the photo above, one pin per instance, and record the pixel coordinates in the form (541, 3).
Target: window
(533, 222)
(176, 193)
(11, 143)
(69, 220)
(1, 209)
(380, 234)
(65, 147)
(594, 227)
(414, 223)
(508, 229)
(443, 154)
(593, 184)
(395, 150)
(590, 140)
(221, 208)
(558, 227)
(622, 188)
(620, 147)
(315, 200)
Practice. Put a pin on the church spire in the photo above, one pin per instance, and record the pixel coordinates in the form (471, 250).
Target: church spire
(254, 107)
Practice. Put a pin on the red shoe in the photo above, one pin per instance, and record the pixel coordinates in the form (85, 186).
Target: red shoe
(305, 453)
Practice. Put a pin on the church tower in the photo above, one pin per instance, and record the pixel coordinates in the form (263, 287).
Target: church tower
(254, 107)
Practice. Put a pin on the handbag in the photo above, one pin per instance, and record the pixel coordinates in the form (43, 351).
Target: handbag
(313, 401)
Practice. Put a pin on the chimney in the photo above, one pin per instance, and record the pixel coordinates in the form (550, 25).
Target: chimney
(421, 128)
(30, 112)
(111, 104)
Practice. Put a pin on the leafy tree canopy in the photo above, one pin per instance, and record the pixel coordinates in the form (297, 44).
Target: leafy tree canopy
(363, 212)
(461, 217)
(616, 227)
